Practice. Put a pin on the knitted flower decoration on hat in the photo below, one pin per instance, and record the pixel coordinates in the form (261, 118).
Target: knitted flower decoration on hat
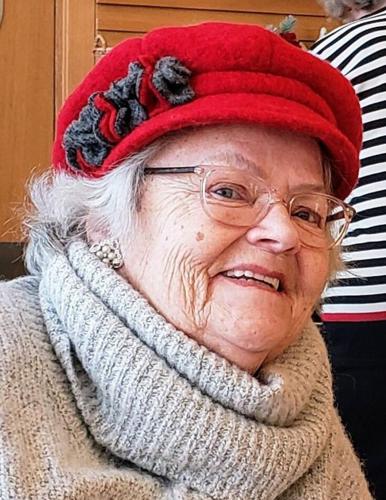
(211, 73)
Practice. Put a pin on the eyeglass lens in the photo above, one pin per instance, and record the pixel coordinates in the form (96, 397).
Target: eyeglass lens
(234, 197)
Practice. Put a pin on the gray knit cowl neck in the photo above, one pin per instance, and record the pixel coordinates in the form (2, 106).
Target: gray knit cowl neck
(156, 399)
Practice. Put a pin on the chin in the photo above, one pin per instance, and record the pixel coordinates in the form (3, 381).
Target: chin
(250, 337)
(247, 355)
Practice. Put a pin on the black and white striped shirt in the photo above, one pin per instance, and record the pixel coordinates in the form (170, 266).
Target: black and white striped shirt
(358, 50)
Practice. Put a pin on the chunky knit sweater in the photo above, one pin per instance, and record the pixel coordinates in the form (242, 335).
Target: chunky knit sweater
(101, 398)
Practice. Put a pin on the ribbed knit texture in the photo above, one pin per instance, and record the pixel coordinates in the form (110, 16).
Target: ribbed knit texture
(102, 398)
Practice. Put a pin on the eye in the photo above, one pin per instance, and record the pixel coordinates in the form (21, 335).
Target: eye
(307, 215)
(231, 192)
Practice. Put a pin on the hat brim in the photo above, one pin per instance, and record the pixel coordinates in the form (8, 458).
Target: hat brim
(262, 109)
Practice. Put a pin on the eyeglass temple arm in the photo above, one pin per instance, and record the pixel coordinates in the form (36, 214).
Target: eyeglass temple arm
(341, 215)
(170, 170)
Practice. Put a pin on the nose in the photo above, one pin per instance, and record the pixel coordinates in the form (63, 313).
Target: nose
(276, 232)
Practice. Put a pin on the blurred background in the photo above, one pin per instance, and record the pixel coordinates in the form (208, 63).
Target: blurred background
(47, 46)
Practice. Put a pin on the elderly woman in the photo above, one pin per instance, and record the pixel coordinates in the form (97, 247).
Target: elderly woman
(162, 346)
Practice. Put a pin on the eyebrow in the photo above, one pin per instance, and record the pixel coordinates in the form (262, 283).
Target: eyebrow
(311, 187)
(230, 158)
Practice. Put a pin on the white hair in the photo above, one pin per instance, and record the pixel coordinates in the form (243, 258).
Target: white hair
(336, 8)
(62, 205)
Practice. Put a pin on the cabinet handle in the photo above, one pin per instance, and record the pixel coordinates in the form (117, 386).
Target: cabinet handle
(1, 10)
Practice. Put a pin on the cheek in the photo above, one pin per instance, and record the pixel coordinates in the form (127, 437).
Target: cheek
(172, 253)
(313, 274)
(177, 229)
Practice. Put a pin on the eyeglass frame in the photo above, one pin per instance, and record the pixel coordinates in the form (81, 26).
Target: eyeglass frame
(348, 211)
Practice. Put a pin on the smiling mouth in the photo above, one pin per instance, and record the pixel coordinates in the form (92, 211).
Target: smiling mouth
(251, 278)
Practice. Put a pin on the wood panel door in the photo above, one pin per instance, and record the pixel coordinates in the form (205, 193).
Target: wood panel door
(46, 47)
(74, 43)
(26, 101)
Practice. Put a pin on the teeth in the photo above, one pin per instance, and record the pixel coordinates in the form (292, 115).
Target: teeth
(272, 281)
(235, 273)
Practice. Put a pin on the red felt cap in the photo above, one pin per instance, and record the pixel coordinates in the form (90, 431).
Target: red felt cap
(210, 73)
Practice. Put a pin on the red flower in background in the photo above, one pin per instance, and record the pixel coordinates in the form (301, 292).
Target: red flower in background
(285, 30)
(291, 38)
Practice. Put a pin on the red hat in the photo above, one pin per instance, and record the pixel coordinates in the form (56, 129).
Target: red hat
(206, 74)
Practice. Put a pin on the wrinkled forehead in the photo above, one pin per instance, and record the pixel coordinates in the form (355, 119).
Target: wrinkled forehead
(284, 176)
(263, 152)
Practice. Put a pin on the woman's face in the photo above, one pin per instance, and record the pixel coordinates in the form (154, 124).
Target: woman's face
(179, 257)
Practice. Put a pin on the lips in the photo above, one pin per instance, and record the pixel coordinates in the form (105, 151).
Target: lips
(249, 275)
(255, 274)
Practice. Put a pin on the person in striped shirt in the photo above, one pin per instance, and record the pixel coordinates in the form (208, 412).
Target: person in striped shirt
(354, 306)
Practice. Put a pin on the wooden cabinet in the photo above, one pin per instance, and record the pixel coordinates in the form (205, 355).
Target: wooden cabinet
(117, 19)
(46, 47)
(26, 101)
(75, 31)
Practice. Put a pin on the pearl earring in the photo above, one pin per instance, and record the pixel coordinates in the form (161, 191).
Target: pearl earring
(108, 252)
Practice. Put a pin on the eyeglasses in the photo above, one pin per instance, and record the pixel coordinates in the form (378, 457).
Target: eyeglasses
(235, 197)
